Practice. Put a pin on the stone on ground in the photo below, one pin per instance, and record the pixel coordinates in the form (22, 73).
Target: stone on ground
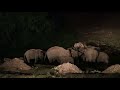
(112, 69)
(66, 68)
(14, 64)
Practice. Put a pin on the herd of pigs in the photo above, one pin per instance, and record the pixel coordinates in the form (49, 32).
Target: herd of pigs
(77, 54)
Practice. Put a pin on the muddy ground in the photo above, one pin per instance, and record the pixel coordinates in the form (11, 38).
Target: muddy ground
(43, 71)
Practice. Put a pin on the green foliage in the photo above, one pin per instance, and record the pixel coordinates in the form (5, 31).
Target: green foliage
(22, 29)
(112, 40)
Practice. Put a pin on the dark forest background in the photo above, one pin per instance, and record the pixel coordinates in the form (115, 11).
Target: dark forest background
(20, 31)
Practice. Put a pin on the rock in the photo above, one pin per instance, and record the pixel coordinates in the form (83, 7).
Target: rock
(66, 68)
(112, 69)
(14, 65)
